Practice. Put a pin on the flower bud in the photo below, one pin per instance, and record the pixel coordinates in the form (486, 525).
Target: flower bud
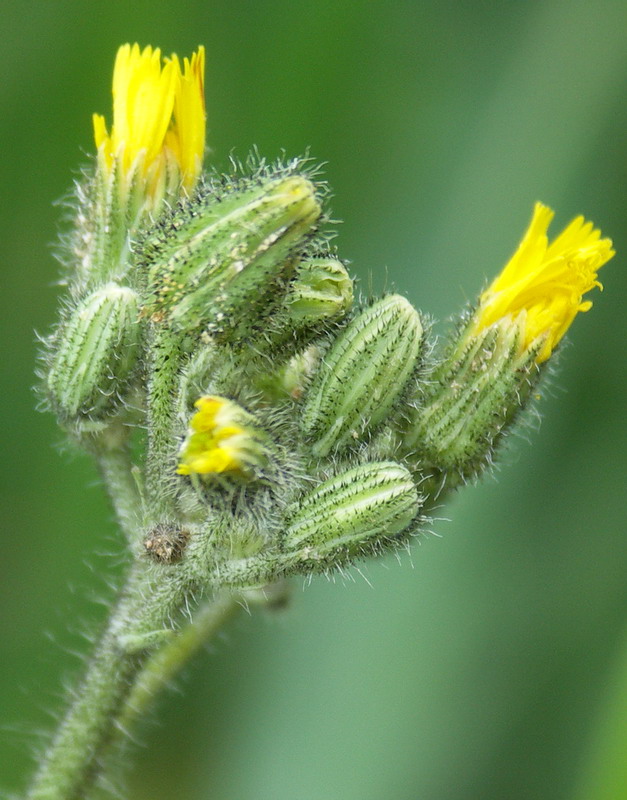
(322, 290)
(291, 377)
(214, 265)
(363, 375)
(97, 349)
(222, 439)
(472, 398)
(541, 288)
(492, 368)
(149, 156)
(364, 506)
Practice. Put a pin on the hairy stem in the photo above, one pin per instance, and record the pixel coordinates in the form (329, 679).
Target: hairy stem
(73, 760)
(118, 476)
(166, 354)
(112, 452)
(72, 763)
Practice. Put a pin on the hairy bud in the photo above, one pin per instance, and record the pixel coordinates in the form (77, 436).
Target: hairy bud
(342, 516)
(213, 265)
(322, 290)
(363, 375)
(97, 348)
(474, 396)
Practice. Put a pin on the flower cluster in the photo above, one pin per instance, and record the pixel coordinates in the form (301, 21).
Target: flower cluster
(226, 318)
(328, 426)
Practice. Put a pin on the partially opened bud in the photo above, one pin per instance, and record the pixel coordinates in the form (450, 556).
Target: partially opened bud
(541, 288)
(97, 349)
(520, 319)
(149, 157)
(222, 439)
(363, 375)
(158, 124)
(213, 266)
(361, 507)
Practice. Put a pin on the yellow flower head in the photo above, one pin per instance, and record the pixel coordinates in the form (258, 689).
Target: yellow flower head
(158, 115)
(543, 284)
(218, 440)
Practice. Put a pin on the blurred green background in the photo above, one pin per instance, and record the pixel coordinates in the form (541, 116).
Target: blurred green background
(493, 663)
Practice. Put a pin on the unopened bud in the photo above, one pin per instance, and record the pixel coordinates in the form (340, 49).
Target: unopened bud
(322, 290)
(472, 398)
(363, 506)
(214, 265)
(97, 349)
(291, 378)
(363, 375)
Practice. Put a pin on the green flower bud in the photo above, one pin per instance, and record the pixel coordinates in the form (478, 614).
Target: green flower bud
(297, 371)
(362, 507)
(473, 397)
(290, 379)
(363, 375)
(97, 349)
(322, 290)
(215, 264)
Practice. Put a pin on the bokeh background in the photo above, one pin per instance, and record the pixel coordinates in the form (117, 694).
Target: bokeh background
(493, 663)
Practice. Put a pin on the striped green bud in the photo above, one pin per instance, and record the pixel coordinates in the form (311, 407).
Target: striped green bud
(215, 264)
(472, 399)
(322, 290)
(97, 349)
(320, 293)
(352, 513)
(363, 375)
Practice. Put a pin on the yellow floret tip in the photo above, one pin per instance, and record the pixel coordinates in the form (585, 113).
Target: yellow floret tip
(219, 440)
(542, 286)
(158, 114)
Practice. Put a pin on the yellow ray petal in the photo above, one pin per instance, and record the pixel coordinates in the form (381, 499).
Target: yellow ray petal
(542, 285)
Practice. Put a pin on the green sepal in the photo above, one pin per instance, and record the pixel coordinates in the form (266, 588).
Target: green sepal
(322, 290)
(111, 210)
(351, 512)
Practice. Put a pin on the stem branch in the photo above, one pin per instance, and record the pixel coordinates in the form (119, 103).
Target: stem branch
(117, 473)
(167, 662)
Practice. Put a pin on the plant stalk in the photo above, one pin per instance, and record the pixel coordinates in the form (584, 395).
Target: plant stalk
(117, 474)
(166, 354)
(73, 760)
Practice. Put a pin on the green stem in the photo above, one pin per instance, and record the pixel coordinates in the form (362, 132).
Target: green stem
(71, 764)
(73, 760)
(118, 475)
(167, 662)
(166, 354)
(111, 450)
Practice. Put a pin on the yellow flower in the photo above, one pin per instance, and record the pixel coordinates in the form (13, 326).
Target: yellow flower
(158, 117)
(542, 286)
(218, 440)
(187, 138)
